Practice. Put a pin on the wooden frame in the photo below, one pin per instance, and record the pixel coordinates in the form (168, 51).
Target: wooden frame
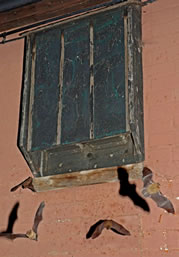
(81, 178)
(44, 9)
(129, 146)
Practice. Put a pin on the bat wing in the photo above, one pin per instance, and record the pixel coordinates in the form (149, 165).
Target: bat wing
(99, 228)
(11, 236)
(38, 217)
(147, 177)
(14, 236)
(15, 187)
(163, 202)
(27, 183)
(118, 228)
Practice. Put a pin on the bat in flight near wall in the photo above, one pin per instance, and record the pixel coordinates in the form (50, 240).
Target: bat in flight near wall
(152, 190)
(98, 227)
(27, 183)
(32, 233)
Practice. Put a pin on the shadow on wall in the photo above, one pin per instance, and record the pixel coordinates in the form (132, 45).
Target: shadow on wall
(30, 234)
(12, 219)
(127, 189)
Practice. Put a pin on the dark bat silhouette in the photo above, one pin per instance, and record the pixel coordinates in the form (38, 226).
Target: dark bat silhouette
(127, 189)
(98, 227)
(152, 190)
(12, 219)
(8, 233)
(27, 183)
(32, 233)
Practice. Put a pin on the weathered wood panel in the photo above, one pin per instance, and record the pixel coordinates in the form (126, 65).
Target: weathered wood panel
(109, 74)
(9, 5)
(99, 153)
(82, 178)
(75, 122)
(25, 94)
(46, 89)
(135, 79)
(44, 10)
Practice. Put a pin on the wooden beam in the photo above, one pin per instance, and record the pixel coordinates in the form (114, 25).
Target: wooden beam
(82, 178)
(43, 10)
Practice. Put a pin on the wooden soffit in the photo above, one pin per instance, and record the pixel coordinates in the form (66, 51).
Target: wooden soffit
(46, 9)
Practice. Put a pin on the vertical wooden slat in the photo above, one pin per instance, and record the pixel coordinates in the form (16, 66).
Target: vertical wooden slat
(41, 163)
(46, 92)
(76, 80)
(135, 85)
(31, 101)
(109, 74)
(60, 85)
(92, 79)
(25, 104)
(126, 69)
(25, 94)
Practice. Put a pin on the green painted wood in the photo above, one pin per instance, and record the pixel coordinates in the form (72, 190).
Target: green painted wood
(97, 153)
(135, 80)
(46, 89)
(25, 93)
(75, 124)
(109, 74)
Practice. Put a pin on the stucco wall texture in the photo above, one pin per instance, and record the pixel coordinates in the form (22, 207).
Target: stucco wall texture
(70, 212)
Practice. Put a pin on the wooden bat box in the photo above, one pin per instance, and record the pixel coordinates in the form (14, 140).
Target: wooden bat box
(82, 99)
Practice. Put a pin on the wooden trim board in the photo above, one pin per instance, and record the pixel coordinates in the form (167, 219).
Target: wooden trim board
(87, 177)
(43, 10)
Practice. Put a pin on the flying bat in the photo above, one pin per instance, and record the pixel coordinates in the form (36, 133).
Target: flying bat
(98, 227)
(27, 183)
(152, 190)
(32, 233)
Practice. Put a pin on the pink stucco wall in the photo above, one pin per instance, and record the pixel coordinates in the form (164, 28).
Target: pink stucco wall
(70, 212)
